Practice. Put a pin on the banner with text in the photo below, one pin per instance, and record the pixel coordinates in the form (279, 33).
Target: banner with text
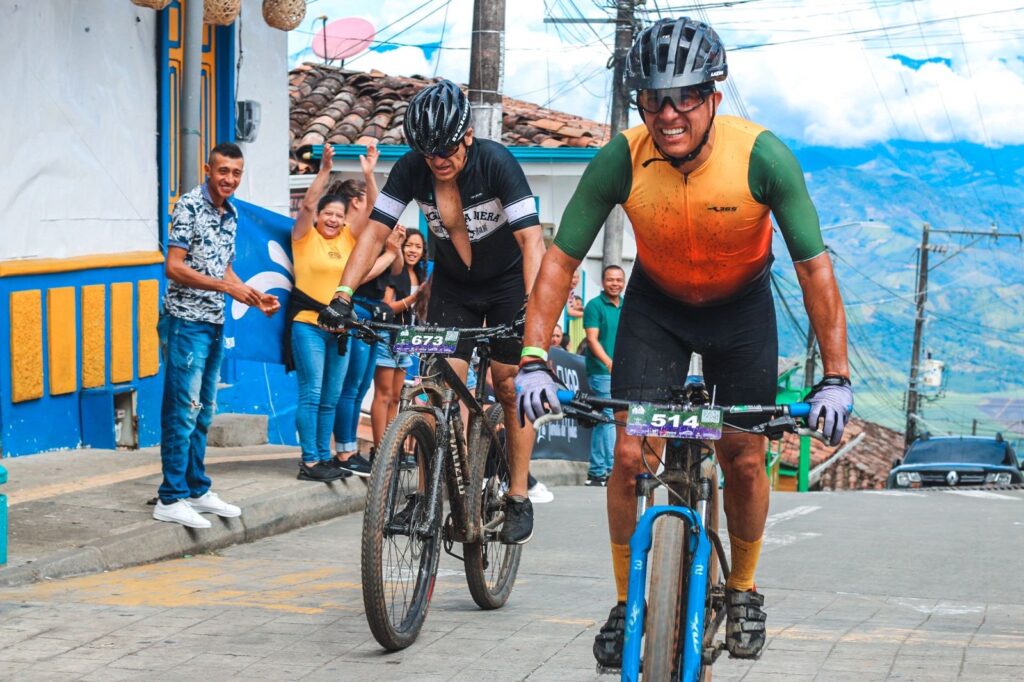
(565, 439)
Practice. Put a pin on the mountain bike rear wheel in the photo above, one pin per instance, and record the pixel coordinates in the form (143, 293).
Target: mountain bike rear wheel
(666, 594)
(399, 563)
(491, 566)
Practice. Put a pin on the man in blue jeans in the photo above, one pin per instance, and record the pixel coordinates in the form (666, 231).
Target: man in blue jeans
(601, 323)
(200, 248)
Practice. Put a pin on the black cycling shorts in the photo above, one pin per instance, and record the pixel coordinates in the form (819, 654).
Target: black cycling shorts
(738, 341)
(456, 304)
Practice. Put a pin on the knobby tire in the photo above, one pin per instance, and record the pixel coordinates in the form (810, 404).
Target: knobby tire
(391, 560)
(491, 566)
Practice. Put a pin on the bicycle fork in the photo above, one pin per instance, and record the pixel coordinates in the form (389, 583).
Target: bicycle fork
(699, 548)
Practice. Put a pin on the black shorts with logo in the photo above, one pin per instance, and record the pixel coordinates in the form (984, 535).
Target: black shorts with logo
(457, 304)
(738, 341)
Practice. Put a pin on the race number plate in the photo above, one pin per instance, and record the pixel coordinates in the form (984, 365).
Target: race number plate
(698, 424)
(440, 342)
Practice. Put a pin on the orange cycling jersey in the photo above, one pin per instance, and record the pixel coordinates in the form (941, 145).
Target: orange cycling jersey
(701, 237)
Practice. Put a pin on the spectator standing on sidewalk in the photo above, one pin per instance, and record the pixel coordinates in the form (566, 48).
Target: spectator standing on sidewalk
(400, 296)
(200, 248)
(323, 236)
(601, 322)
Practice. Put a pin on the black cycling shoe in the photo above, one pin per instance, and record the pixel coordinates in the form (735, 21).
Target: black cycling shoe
(518, 526)
(403, 518)
(321, 472)
(745, 630)
(609, 641)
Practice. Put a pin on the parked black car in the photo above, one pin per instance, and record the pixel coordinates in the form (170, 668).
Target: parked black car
(956, 461)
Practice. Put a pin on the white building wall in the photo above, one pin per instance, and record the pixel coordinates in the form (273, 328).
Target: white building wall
(79, 171)
(263, 77)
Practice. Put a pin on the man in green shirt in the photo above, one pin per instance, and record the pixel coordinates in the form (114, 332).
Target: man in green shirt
(601, 323)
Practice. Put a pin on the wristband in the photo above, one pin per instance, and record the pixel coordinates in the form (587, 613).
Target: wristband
(533, 351)
(344, 290)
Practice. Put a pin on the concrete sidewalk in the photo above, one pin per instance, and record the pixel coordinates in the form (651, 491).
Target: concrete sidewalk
(86, 511)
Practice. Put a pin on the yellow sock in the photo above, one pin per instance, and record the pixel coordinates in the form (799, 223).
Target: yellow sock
(620, 566)
(744, 562)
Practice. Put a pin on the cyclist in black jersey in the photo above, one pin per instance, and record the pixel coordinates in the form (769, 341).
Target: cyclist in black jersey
(488, 248)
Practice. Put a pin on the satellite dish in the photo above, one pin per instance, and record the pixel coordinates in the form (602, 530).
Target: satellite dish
(343, 38)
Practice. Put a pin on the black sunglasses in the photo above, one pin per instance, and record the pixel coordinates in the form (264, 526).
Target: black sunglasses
(683, 100)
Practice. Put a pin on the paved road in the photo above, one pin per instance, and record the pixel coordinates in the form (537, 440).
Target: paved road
(860, 586)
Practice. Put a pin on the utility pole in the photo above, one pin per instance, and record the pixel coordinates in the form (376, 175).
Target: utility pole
(809, 362)
(486, 67)
(191, 98)
(612, 245)
(920, 297)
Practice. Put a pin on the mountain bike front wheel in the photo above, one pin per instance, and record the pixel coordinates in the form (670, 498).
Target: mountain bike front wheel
(491, 566)
(666, 594)
(399, 559)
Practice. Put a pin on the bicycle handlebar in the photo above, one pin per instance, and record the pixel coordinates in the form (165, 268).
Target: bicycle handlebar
(464, 332)
(792, 409)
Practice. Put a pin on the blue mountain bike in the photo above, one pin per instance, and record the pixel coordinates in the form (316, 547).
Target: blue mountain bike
(688, 566)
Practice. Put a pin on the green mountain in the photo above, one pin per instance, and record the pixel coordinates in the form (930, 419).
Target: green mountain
(975, 305)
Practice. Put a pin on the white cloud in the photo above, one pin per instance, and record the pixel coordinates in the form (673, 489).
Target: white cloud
(840, 91)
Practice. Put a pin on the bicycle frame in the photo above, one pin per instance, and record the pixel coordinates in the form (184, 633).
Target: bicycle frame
(450, 437)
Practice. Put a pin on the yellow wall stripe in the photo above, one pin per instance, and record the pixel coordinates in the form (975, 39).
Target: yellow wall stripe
(149, 342)
(61, 340)
(47, 266)
(94, 335)
(122, 355)
(26, 345)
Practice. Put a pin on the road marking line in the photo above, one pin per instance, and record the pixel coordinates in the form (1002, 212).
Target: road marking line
(55, 489)
(789, 514)
(892, 493)
(982, 494)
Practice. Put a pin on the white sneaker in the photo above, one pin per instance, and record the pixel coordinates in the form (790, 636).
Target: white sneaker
(181, 512)
(539, 494)
(210, 503)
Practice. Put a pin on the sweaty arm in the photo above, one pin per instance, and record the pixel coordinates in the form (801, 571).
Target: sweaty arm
(388, 206)
(363, 257)
(605, 183)
(531, 243)
(777, 180)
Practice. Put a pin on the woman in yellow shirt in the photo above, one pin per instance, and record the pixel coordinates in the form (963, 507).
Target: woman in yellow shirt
(323, 236)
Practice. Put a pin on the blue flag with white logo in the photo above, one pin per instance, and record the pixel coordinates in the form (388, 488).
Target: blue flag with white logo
(263, 260)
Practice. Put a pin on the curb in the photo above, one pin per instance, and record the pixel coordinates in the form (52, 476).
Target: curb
(270, 514)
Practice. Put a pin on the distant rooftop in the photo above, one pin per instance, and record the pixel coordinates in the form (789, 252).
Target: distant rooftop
(340, 106)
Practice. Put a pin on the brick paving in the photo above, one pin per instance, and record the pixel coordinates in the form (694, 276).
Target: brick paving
(851, 596)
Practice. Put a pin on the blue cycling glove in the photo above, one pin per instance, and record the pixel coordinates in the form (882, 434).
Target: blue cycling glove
(831, 400)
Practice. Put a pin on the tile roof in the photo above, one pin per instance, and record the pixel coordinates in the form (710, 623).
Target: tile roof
(863, 468)
(340, 106)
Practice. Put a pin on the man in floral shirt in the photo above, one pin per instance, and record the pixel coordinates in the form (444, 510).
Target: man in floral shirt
(200, 249)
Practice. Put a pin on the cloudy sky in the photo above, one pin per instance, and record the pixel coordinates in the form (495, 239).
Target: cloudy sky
(843, 73)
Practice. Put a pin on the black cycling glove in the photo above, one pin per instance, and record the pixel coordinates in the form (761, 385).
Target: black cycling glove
(336, 315)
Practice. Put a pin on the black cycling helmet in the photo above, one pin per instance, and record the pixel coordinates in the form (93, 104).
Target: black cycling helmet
(437, 118)
(675, 53)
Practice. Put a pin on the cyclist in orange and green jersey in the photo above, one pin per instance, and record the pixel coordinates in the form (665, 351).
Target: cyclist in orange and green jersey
(699, 191)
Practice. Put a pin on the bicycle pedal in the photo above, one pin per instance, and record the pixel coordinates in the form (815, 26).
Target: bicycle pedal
(602, 670)
(710, 654)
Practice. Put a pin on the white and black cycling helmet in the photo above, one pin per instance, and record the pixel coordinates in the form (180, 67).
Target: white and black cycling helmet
(437, 118)
(675, 53)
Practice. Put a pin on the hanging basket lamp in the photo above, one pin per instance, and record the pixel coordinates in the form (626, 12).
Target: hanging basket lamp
(220, 12)
(284, 14)
(152, 4)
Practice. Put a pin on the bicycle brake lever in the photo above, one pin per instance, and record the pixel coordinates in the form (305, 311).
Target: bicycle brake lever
(816, 435)
(547, 419)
